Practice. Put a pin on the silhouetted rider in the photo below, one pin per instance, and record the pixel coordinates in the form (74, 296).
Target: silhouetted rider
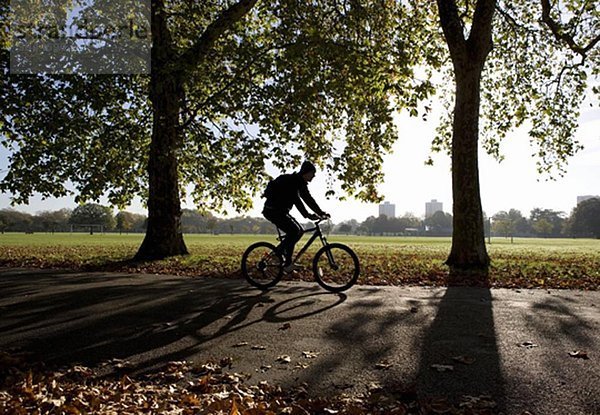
(282, 194)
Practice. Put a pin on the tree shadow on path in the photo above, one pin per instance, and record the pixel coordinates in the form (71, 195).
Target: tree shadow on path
(70, 318)
(462, 338)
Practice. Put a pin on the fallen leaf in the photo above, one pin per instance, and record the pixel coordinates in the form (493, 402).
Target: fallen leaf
(478, 402)
(528, 345)
(310, 355)
(443, 368)
(285, 359)
(234, 409)
(578, 354)
(286, 326)
(240, 344)
(440, 406)
(374, 387)
(300, 365)
(257, 347)
(465, 360)
(264, 368)
(226, 361)
(383, 365)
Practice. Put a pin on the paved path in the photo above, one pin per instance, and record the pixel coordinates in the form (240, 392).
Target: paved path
(383, 335)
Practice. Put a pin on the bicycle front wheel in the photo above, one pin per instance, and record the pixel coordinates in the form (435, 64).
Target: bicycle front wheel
(336, 267)
(262, 266)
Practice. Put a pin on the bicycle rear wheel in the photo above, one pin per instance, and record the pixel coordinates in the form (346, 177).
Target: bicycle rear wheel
(262, 266)
(336, 267)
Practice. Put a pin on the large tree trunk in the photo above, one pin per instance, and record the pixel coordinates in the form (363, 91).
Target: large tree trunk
(163, 234)
(468, 259)
(468, 256)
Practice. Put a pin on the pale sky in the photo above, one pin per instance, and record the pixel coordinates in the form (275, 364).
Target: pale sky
(409, 183)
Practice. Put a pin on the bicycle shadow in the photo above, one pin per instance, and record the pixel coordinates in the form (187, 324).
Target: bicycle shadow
(65, 318)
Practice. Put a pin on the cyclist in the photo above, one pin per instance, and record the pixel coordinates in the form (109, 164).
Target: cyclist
(281, 195)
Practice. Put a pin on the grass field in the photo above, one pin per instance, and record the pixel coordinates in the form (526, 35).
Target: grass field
(548, 263)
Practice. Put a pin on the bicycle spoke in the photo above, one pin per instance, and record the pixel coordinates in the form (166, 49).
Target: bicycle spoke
(261, 265)
(336, 267)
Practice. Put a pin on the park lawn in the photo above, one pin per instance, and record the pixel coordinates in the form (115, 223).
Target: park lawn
(526, 263)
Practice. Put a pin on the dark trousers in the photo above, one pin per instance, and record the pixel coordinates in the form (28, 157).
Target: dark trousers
(291, 227)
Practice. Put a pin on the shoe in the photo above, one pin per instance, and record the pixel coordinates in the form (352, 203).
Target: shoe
(291, 268)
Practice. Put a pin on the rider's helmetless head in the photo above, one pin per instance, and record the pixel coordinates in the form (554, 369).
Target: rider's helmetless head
(307, 171)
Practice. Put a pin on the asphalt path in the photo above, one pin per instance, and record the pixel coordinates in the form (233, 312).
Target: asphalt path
(514, 345)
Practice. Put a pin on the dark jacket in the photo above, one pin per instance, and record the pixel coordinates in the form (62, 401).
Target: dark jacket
(288, 190)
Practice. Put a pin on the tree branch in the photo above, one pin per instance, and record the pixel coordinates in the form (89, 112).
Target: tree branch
(452, 27)
(197, 52)
(481, 30)
(194, 112)
(511, 20)
(560, 35)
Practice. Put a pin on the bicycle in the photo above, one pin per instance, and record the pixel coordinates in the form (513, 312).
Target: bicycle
(335, 266)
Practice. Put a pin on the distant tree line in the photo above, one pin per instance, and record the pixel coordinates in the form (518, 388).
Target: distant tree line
(584, 221)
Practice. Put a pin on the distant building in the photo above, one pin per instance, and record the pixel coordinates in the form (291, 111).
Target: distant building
(432, 207)
(586, 197)
(388, 209)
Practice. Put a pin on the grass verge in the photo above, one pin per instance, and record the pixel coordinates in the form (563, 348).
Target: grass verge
(526, 263)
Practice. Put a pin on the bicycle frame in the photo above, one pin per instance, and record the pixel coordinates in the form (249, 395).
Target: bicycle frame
(317, 234)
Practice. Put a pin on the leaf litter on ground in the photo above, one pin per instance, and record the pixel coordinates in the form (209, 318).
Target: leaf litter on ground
(27, 388)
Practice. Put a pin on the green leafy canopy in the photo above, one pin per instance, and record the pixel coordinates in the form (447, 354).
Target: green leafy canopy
(292, 79)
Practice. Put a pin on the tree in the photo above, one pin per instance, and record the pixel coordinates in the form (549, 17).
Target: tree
(15, 221)
(55, 220)
(3, 223)
(542, 227)
(585, 219)
(498, 47)
(440, 223)
(217, 68)
(124, 221)
(547, 222)
(344, 228)
(509, 223)
(93, 214)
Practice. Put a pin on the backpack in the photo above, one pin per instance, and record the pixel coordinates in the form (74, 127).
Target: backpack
(270, 189)
(274, 187)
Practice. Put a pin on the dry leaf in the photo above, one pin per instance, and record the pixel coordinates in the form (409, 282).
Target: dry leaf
(443, 368)
(310, 355)
(226, 361)
(383, 365)
(465, 360)
(374, 387)
(286, 326)
(440, 406)
(285, 359)
(578, 354)
(257, 347)
(234, 409)
(528, 345)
